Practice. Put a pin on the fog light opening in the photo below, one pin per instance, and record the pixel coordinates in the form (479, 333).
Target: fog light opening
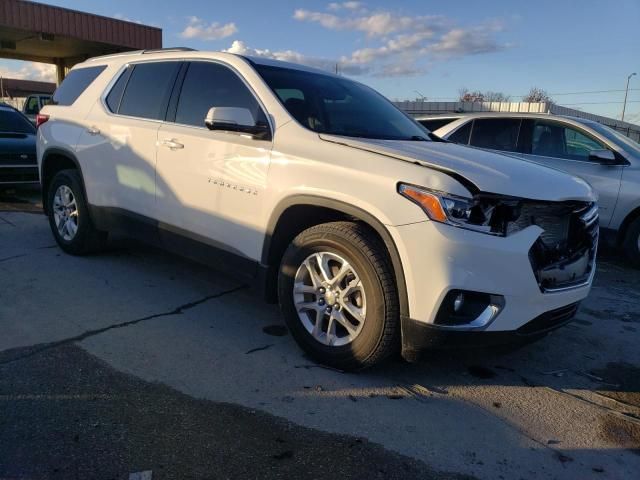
(458, 302)
(462, 309)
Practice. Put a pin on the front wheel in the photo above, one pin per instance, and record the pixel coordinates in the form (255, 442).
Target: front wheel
(337, 293)
(631, 243)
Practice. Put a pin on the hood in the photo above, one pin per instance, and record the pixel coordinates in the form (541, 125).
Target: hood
(488, 172)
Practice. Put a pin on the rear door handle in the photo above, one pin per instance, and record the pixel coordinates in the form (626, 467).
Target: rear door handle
(172, 144)
(93, 131)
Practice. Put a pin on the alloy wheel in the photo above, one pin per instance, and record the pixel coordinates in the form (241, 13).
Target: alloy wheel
(330, 299)
(65, 213)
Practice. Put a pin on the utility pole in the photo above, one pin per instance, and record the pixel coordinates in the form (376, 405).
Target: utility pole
(626, 93)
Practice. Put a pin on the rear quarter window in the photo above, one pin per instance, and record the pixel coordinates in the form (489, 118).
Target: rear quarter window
(76, 82)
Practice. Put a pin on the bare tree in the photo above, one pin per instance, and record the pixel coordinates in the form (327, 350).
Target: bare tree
(466, 95)
(536, 95)
(490, 96)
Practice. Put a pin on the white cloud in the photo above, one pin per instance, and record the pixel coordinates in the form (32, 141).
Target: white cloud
(346, 6)
(198, 28)
(396, 44)
(42, 72)
(376, 24)
(240, 48)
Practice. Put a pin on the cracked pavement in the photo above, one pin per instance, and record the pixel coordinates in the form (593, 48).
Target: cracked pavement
(178, 357)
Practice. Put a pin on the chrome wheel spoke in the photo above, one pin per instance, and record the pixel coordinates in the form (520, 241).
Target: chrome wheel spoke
(300, 287)
(340, 318)
(316, 280)
(356, 312)
(65, 212)
(331, 307)
(322, 260)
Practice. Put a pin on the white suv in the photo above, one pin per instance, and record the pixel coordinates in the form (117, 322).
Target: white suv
(371, 234)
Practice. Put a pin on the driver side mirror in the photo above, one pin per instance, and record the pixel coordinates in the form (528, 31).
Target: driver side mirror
(232, 119)
(605, 157)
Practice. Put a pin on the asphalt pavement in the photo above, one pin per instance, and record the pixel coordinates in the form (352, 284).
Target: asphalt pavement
(136, 362)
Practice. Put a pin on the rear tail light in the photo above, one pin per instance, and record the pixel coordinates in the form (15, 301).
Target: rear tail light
(40, 119)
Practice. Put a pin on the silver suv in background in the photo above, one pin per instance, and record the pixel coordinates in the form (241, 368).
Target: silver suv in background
(606, 159)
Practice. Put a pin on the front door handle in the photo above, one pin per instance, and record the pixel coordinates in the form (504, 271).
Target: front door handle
(93, 131)
(172, 144)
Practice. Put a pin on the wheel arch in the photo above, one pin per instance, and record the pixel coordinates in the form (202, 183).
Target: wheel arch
(624, 227)
(299, 212)
(53, 161)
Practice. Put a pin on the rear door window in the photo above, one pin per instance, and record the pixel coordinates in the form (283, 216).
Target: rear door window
(148, 90)
(75, 84)
(496, 133)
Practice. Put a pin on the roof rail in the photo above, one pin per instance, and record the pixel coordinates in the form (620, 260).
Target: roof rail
(142, 52)
(169, 49)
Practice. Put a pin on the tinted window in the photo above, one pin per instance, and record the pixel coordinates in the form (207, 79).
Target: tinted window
(338, 106)
(208, 85)
(435, 123)
(113, 99)
(462, 134)
(14, 122)
(148, 90)
(496, 133)
(551, 139)
(76, 82)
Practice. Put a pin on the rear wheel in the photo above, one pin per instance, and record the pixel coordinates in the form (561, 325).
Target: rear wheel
(631, 243)
(68, 214)
(338, 296)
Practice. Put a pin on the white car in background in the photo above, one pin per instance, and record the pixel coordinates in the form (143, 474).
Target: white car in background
(605, 158)
(370, 233)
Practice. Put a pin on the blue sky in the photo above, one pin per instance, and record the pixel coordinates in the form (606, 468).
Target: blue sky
(433, 47)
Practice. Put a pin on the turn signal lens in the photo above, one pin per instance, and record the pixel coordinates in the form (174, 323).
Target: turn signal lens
(429, 202)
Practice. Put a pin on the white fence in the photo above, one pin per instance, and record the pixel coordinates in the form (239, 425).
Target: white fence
(435, 108)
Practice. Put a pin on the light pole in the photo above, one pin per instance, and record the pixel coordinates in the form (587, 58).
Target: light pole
(626, 93)
(422, 97)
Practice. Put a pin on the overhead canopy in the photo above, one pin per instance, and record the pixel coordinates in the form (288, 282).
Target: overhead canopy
(44, 33)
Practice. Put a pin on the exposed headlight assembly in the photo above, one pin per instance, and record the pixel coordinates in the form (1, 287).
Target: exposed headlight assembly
(488, 215)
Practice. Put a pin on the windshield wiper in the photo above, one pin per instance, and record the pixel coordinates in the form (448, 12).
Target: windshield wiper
(418, 138)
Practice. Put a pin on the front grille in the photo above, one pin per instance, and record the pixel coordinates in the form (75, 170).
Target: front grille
(564, 254)
(549, 320)
(17, 159)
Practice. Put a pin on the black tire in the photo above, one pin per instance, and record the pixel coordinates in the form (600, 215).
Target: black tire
(631, 243)
(87, 238)
(357, 244)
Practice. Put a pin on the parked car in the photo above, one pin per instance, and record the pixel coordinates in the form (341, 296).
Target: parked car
(434, 122)
(33, 104)
(606, 159)
(18, 163)
(369, 233)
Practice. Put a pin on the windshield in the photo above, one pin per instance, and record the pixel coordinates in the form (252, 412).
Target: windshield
(337, 106)
(14, 122)
(624, 142)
